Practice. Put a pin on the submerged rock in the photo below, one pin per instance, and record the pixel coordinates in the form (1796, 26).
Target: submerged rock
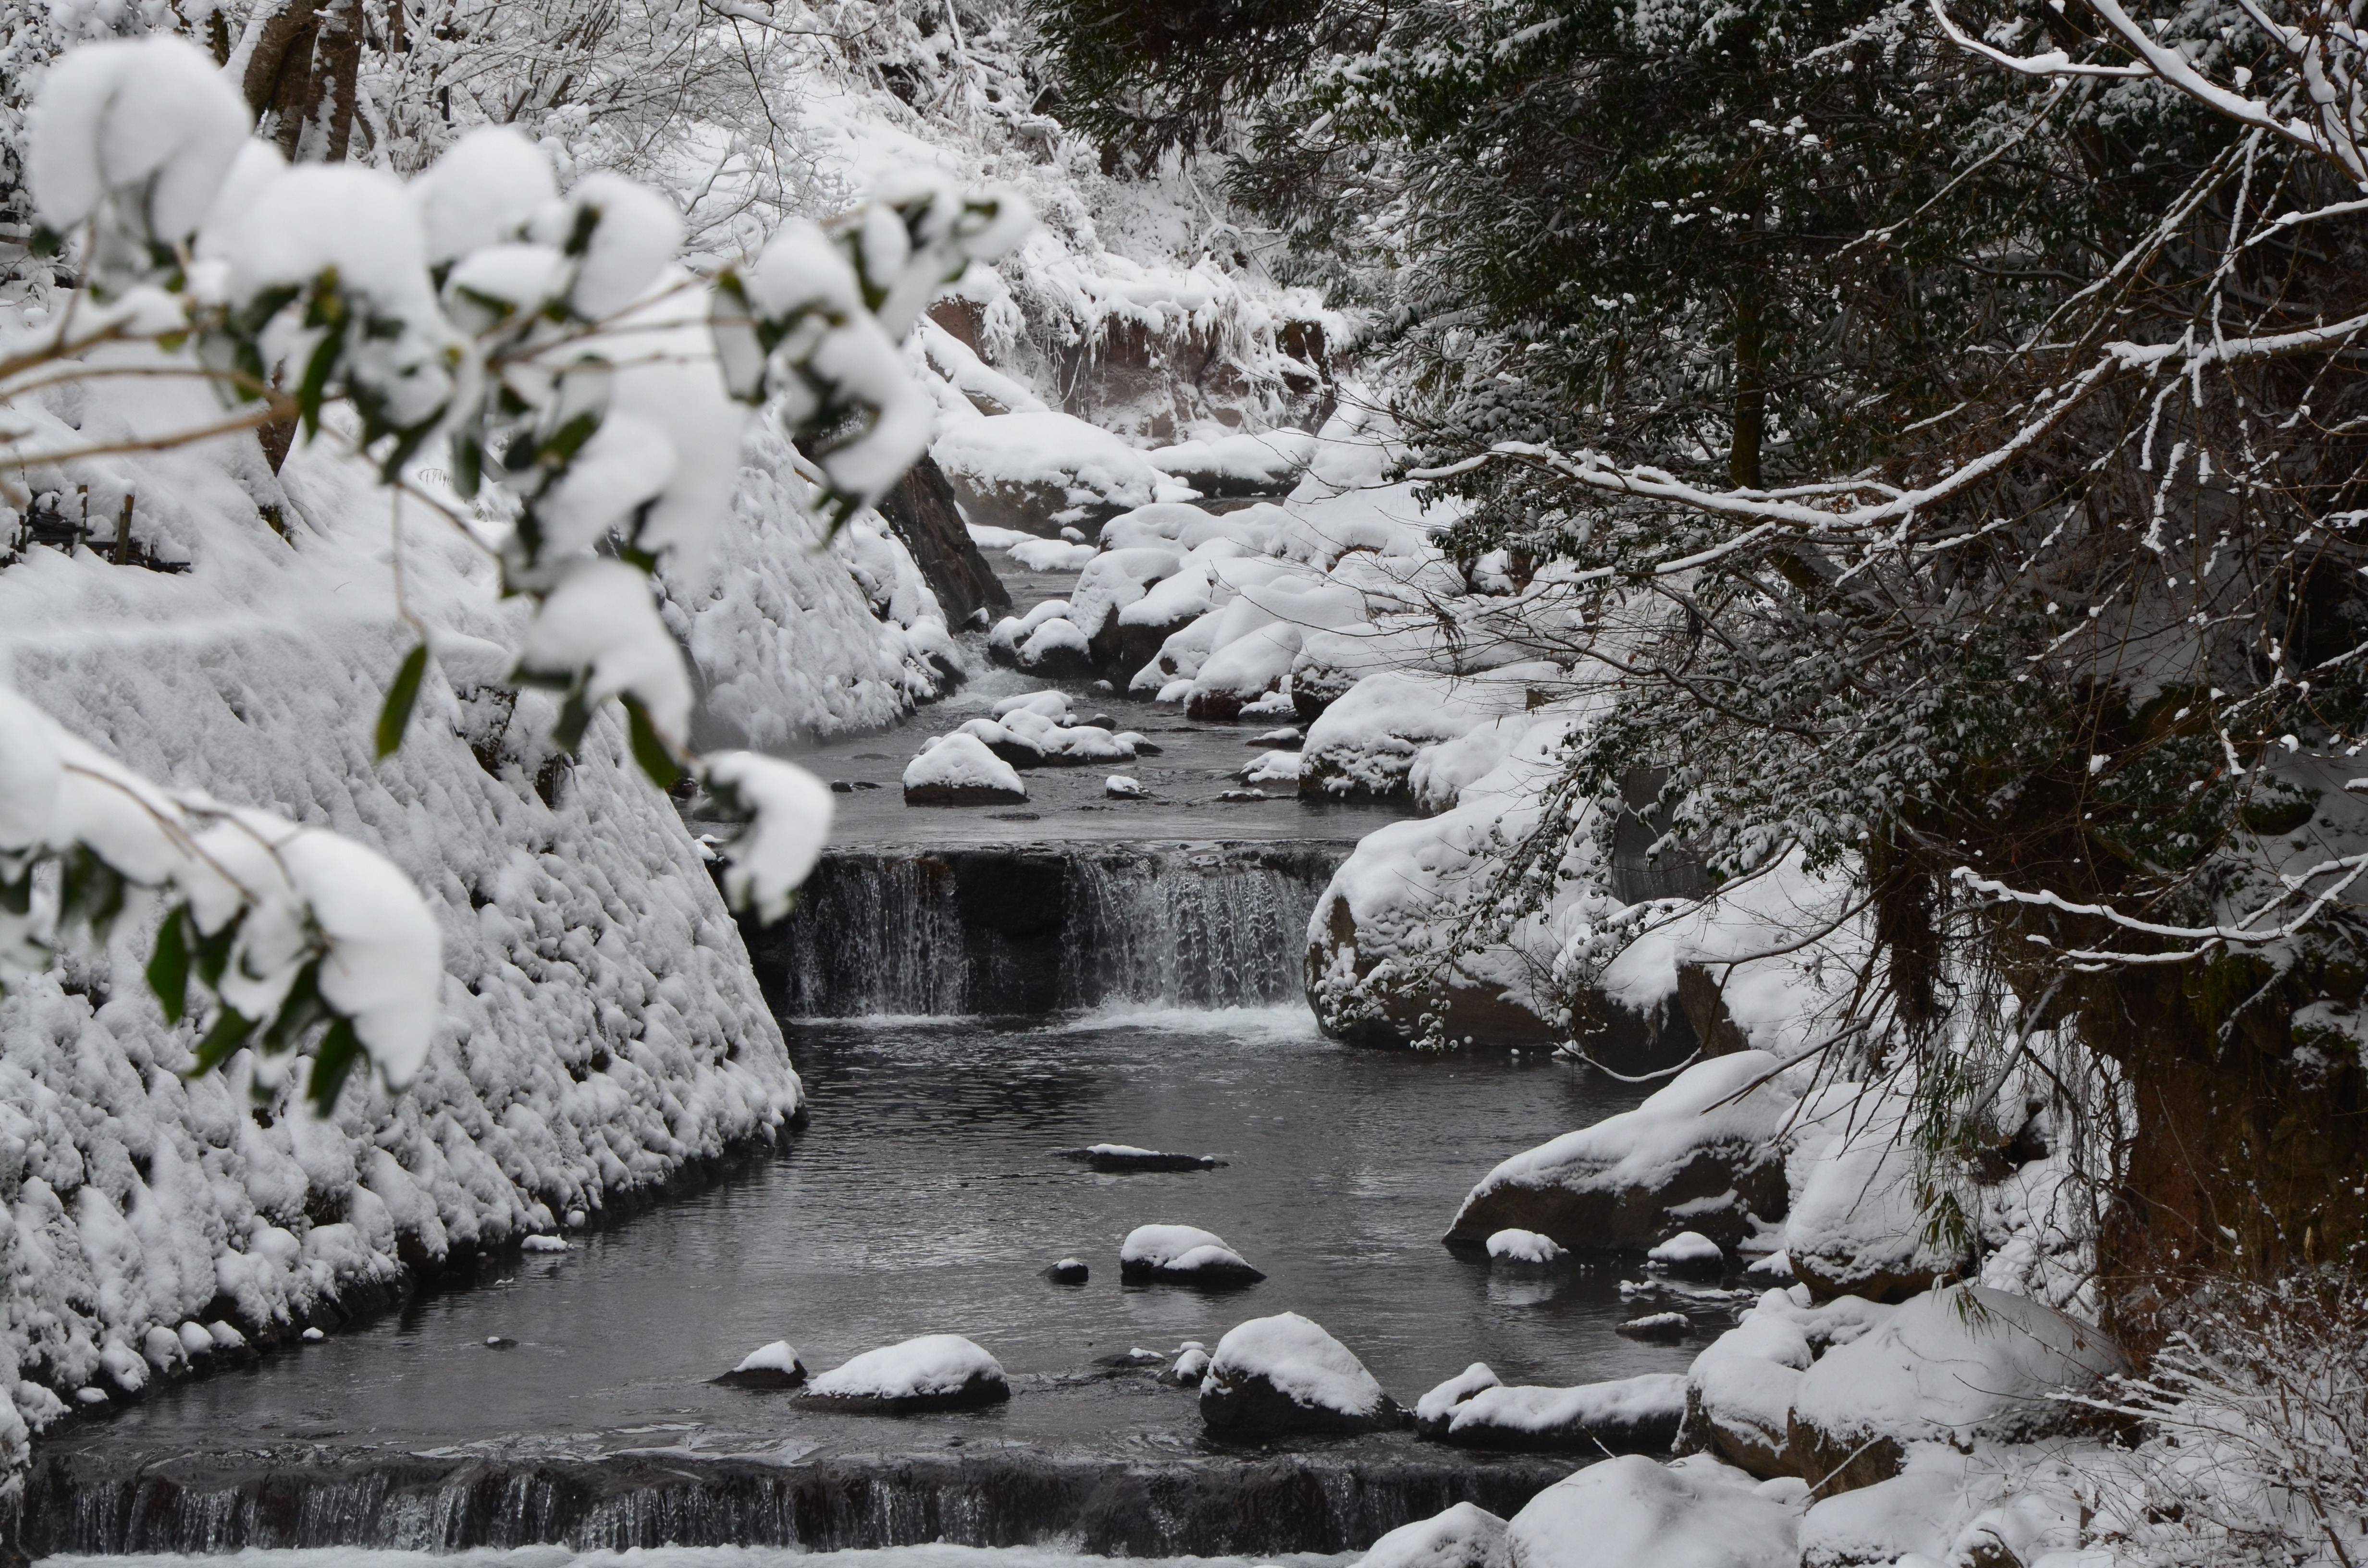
(936, 1372)
(1127, 1157)
(1286, 1374)
(1181, 1254)
(774, 1366)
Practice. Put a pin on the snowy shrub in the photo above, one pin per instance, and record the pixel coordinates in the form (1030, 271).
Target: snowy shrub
(583, 386)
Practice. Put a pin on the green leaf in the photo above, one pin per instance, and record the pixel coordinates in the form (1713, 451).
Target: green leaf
(650, 749)
(401, 697)
(468, 465)
(340, 1049)
(315, 384)
(168, 967)
(574, 718)
(229, 1032)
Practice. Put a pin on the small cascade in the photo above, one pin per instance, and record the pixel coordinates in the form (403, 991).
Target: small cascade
(1252, 1506)
(1043, 928)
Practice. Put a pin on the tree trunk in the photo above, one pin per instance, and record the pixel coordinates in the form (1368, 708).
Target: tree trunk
(2250, 1133)
(1750, 391)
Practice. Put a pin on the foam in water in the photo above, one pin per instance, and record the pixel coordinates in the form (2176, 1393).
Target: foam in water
(936, 1555)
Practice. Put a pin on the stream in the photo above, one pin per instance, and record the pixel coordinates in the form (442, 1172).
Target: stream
(964, 993)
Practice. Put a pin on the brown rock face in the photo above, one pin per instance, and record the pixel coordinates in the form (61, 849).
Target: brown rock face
(923, 512)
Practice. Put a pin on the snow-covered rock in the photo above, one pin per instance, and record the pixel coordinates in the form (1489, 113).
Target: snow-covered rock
(774, 1366)
(1630, 1512)
(1953, 1365)
(1182, 1255)
(1123, 787)
(959, 770)
(1026, 738)
(1706, 1152)
(1857, 1226)
(1127, 1157)
(1040, 471)
(1465, 1535)
(1191, 1366)
(1364, 745)
(1638, 1415)
(1691, 1254)
(936, 1372)
(1523, 1247)
(1067, 1271)
(1742, 1386)
(1434, 1410)
(1285, 1374)
(1267, 462)
(1655, 1326)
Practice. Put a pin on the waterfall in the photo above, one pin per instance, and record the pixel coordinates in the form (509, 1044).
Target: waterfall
(1046, 927)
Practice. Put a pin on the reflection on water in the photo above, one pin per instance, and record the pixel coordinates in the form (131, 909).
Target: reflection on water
(923, 1197)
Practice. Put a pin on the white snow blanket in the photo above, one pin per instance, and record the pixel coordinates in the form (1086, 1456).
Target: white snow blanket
(934, 1364)
(1629, 1511)
(601, 1025)
(1465, 1535)
(1296, 1357)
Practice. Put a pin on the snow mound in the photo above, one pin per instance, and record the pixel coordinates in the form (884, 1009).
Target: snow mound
(1465, 1535)
(1638, 1415)
(1952, 1365)
(774, 1366)
(1708, 1149)
(1629, 1511)
(1286, 1374)
(1522, 1246)
(958, 770)
(936, 1372)
(1182, 1255)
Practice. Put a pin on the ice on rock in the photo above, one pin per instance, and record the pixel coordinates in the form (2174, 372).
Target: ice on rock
(936, 1372)
(1690, 1253)
(1286, 1374)
(1695, 1513)
(1523, 1247)
(1181, 1254)
(1432, 1410)
(1638, 1415)
(1465, 1535)
(958, 770)
(774, 1366)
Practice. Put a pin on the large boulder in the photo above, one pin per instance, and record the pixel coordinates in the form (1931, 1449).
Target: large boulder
(959, 770)
(1857, 1225)
(1629, 1415)
(1285, 1374)
(1181, 1254)
(1465, 1535)
(1043, 472)
(1632, 1513)
(1704, 1153)
(936, 1372)
(922, 511)
(1952, 1366)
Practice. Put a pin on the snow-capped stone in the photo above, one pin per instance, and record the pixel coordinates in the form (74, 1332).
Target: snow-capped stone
(935, 1371)
(1121, 787)
(1695, 1513)
(1050, 703)
(1286, 1374)
(1638, 1415)
(1707, 1151)
(1465, 1535)
(544, 1243)
(1913, 1512)
(1067, 1271)
(958, 770)
(1272, 767)
(1857, 1225)
(1181, 1254)
(1523, 1247)
(1191, 1365)
(774, 1366)
(1432, 1410)
(1655, 1326)
(1127, 1157)
(1952, 1365)
(1743, 1385)
(1057, 648)
(1691, 1254)
(1771, 1268)
(1042, 471)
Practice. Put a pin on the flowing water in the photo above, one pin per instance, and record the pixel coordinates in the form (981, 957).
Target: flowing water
(965, 994)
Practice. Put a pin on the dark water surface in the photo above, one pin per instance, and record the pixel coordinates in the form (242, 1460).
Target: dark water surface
(922, 1198)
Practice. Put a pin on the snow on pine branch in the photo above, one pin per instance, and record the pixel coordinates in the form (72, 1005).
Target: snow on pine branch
(593, 395)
